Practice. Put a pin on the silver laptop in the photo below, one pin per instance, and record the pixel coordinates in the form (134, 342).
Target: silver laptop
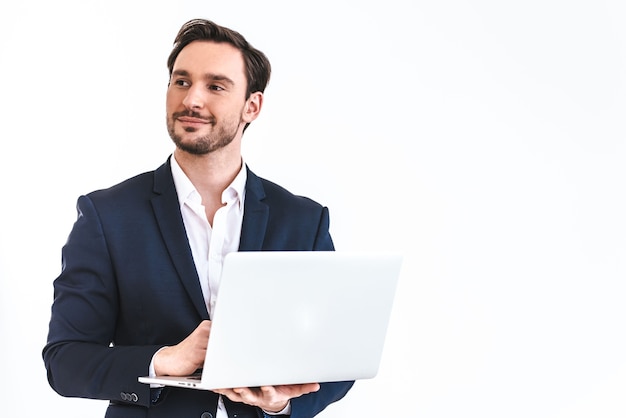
(297, 317)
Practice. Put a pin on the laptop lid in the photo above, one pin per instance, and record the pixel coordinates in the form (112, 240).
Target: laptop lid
(297, 317)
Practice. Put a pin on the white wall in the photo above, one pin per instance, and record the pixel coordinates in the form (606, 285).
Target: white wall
(484, 139)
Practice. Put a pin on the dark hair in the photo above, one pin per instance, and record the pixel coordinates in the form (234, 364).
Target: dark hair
(258, 68)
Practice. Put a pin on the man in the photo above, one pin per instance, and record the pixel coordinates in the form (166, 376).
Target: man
(142, 264)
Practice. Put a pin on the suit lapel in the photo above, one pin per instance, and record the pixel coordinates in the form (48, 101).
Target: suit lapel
(255, 215)
(170, 220)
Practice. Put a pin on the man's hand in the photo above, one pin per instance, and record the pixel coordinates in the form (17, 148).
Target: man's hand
(269, 398)
(185, 357)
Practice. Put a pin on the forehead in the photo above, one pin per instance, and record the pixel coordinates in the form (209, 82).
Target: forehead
(206, 57)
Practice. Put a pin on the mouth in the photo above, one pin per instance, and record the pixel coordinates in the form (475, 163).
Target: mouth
(192, 119)
(188, 120)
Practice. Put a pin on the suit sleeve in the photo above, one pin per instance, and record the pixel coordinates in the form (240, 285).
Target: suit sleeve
(80, 356)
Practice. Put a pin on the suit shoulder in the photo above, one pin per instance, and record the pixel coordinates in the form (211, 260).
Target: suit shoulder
(132, 186)
(278, 193)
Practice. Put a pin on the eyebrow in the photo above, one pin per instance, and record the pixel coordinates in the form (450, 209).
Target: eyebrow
(208, 76)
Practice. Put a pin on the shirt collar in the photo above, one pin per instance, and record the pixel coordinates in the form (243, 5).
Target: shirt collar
(186, 190)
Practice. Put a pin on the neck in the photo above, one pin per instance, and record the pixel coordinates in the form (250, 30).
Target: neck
(211, 173)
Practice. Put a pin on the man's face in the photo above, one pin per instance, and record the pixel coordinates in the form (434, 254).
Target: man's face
(206, 104)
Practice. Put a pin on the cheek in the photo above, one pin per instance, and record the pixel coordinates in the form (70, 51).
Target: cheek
(171, 106)
(173, 98)
(168, 100)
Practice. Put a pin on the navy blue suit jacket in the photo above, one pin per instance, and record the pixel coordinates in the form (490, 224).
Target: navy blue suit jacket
(129, 287)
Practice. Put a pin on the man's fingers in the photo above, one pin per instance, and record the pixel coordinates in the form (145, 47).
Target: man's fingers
(268, 397)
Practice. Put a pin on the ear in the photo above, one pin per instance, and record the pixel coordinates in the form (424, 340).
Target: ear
(252, 107)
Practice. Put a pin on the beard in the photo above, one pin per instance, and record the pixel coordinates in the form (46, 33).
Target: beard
(222, 134)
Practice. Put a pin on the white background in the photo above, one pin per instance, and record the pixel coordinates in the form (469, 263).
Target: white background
(483, 139)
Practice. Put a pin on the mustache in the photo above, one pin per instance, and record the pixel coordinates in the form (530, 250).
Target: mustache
(192, 114)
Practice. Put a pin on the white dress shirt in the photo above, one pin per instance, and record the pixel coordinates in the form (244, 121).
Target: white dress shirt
(210, 244)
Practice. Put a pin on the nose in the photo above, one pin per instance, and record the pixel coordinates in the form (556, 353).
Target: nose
(194, 98)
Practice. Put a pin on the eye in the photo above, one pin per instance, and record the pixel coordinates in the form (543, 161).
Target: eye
(181, 83)
(215, 87)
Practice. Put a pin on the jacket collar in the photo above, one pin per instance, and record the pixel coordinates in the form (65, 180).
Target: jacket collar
(255, 215)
